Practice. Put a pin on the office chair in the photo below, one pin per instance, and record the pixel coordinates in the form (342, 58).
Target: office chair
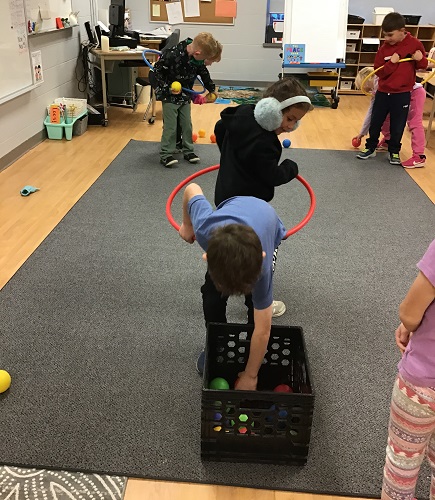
(150, 80)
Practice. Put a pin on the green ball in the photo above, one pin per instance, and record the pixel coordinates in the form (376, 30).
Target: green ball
(219, 383)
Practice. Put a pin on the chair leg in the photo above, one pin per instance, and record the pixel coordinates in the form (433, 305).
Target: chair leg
(152, 105)
(136, 100)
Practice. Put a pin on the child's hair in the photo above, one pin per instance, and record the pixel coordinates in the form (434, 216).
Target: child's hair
(286, 88)
(393, 21)
(206, 43)
(362, 74)
(234, 259)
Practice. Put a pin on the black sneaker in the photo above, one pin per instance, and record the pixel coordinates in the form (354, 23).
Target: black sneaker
(366, 153)
(192, 158)
(169, 161)
(200, 363)
(395, 159)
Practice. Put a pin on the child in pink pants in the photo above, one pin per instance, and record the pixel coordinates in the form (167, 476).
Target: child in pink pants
(414, 121)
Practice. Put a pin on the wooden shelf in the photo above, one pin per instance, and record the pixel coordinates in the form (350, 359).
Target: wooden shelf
(425, 33)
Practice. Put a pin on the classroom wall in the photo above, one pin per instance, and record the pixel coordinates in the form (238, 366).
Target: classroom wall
(244, 57)
(364, 8)
(21, 119)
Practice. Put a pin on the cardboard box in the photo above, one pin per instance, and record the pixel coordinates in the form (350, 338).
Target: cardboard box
(379, 13)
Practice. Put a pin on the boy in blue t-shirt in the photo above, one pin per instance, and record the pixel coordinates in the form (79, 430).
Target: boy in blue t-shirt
(239, 239)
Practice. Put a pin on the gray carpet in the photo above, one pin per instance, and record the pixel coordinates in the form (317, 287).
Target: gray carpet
(102, 325)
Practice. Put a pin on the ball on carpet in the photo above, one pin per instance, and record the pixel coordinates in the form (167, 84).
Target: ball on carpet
(5, 381)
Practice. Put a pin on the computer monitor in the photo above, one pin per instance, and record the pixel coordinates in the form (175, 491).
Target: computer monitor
(116, 17)
(90, 33)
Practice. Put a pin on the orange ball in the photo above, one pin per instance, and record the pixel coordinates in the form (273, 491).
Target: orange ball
(201, 133)
(213, 138)
(194, 137)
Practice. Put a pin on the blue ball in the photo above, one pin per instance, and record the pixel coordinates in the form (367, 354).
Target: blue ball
(286, 143)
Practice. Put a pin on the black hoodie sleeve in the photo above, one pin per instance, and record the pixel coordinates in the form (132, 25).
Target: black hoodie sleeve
(265, 166)
(219, 132)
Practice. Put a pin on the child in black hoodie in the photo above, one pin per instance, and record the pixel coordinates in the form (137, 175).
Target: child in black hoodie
(247, 137)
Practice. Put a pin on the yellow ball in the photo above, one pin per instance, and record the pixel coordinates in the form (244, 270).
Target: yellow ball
(201, 133)
(5, 381)
(176, 86)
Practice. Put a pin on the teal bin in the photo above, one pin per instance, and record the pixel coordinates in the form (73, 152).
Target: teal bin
(55, 130)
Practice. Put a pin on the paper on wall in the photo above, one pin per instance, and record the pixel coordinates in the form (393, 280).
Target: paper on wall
(175, 14)
(191, 8)
(226, 8)
(156, 10)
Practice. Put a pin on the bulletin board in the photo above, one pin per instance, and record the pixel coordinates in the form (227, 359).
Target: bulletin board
(206, 13)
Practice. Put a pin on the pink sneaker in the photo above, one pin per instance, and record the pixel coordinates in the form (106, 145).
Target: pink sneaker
(415, 161)
(382, 145)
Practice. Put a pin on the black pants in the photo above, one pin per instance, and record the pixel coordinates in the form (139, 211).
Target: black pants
(398, 106)
(214, 303)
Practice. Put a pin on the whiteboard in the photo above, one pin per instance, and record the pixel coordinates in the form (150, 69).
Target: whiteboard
(16, 71)
(319, 24)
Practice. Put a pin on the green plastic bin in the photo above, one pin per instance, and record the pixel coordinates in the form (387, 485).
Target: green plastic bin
(55, 130)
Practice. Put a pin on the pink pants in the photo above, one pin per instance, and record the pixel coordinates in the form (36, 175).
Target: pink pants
(411, 438)
(415, 121)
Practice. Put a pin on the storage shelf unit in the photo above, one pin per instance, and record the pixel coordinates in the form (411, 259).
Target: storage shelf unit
(359, 55)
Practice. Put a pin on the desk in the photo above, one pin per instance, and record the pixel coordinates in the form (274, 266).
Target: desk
(118, 55)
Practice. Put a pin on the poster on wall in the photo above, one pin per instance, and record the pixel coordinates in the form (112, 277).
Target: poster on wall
(38, 75)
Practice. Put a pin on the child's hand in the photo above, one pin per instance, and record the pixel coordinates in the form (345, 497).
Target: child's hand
(199, 99)
(395, 58)
(246, 382)
(186, 232)
(402, 337)
(417, 56)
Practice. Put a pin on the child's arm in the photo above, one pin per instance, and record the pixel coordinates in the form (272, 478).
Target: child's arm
(206, 79)
(419, 57)
(186, 229)
(263, 163)
(418, 299)
(367, 119)
(260, 337)
(162, 71)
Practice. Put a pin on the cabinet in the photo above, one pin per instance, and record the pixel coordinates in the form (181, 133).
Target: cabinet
(359, 54)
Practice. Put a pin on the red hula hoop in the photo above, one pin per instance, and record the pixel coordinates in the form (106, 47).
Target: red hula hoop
(291, 231)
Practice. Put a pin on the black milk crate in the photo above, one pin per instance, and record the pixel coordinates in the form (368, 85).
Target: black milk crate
(260, 426)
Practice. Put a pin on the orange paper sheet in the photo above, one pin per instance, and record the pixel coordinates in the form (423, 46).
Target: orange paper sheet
(226, 8)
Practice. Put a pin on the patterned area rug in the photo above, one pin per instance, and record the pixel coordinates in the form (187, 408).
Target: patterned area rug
(32, 484)
(240, 95)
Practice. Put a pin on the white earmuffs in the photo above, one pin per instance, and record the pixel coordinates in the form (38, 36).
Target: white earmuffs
(268, 111)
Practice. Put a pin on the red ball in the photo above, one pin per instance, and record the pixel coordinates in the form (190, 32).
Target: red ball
(194, 137)
(213, 138)
(356, 143)
(283, 388)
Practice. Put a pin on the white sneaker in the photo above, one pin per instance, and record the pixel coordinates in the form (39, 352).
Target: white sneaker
(278, 308)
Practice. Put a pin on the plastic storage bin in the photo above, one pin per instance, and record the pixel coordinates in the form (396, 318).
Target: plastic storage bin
(379, 13)
(350, 47)
(260, 426)
(55, 130)
(353, 34)
(411, 20)
(323, 78)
